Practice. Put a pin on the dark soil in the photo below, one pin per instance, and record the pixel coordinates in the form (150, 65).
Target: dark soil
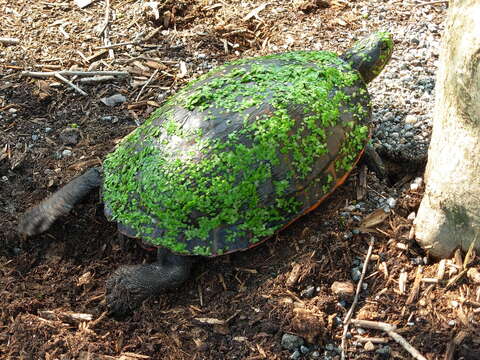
(245, 295)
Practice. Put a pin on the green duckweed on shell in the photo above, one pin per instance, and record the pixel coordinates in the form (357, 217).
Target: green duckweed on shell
(239, 153)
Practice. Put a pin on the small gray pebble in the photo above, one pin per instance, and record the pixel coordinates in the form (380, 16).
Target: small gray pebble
(291, 342)
(329, 347)
(415, 41)
(358, 219)
(315, 355)
(47, 130)
(35, 137)
(107, 118)
(113, 100)
(66, 153)
(296, 355)
(356, 273)
(384, 350)
(304, 349)
(308, 292)
(391, 202)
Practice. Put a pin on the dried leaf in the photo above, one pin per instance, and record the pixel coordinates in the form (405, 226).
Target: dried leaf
(373, 219)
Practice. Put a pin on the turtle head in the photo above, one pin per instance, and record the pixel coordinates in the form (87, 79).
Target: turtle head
(370, 55)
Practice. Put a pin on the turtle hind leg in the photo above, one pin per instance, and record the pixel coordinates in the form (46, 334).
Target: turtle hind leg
(39, 218)
(130, 285)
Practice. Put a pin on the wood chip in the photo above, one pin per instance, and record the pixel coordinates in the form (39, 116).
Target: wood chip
(69, 317)
(369, 346)
(132, 356)
(211, 321)
(254, 13)
(474, 275)
(83, 3)
(375, 340)
(402, 282)
(85, 279)
(416, 285)
(294, 275)
(155, 65)
(9, 41)
(441, 269)
(344, 289)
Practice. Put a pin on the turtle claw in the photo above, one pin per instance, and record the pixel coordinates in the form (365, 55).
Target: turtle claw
(123, 293)
(35, 221)
(130, 285)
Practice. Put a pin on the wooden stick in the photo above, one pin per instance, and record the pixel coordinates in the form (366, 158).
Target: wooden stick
(69, 83)
(146, 84)
(111, 46)
(390, 330)
(432, 3)
(38, 74)
(346, 321)
(106, 18)
(96, 79)
(457, 340)
(9, 41)
(455, 279)
(416, 285)
(373, 340)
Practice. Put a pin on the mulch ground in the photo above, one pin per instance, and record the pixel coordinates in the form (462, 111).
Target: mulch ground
(234, 307)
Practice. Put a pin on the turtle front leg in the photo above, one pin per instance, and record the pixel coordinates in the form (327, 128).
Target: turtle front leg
(130, 285)
(374, 162)
(39, 218)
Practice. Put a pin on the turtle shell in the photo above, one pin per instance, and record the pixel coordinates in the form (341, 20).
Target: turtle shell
(240, 153)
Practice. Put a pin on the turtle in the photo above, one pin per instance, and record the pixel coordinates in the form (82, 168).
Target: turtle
(229, 160)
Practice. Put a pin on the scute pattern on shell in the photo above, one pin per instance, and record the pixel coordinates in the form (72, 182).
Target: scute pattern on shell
(239, 153)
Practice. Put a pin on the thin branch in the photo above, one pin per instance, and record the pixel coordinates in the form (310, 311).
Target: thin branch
(96, 79)
(390, 330)
(346, 321)
(106, 18)
(39, 74)
(9, 41)
(146, 84)
(111, 46)
(432, 3)
(69, 83)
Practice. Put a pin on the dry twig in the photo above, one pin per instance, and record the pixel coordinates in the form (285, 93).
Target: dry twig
(106, 18)
(346, 321)
(416, 285)
(431, 3)
(41, 74)
(146, 84)
(69, 83)
(9, 41)
(96, 79)
(390, 330)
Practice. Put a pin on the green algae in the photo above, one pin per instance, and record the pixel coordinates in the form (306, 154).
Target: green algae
(280, 109)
